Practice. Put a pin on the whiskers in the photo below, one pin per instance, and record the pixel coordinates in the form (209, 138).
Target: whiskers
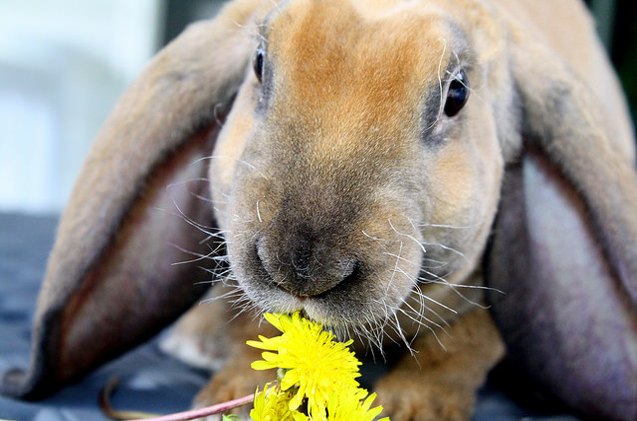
(248, 165)
(236, 298)
(437, 297)
(422, 290)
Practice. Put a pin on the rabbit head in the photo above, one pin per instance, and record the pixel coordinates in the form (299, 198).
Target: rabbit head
(345, 182)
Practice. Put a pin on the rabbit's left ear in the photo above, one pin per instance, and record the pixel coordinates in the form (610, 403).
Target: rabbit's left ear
(112, 280)
(565, 244)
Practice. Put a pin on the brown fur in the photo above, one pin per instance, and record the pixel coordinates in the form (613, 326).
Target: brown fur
(341, 188)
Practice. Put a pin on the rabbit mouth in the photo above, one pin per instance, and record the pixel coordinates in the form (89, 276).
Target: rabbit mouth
(340, 290)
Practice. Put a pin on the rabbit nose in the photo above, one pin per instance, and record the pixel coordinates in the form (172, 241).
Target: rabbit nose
(305, 267)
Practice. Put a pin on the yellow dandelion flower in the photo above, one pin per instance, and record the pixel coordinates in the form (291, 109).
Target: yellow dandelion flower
(312, 363)
(348, 405)
(271, 404)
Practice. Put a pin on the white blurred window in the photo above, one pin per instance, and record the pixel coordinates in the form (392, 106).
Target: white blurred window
(63, 64)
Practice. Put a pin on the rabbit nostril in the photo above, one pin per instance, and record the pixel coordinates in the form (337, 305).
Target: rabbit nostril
(258, 252)
(352, 272)
(350, 268)
(260, 257)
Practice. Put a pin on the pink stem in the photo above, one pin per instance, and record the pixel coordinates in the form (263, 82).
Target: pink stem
(204, 412)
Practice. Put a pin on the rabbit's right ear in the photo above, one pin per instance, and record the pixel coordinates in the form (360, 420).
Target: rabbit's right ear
(564, 249)
(111, 281)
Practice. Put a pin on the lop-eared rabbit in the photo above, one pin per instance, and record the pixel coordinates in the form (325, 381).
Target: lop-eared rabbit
(454, 178)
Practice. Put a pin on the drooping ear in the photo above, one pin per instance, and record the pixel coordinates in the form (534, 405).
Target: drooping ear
(564, 249)
(111, 281)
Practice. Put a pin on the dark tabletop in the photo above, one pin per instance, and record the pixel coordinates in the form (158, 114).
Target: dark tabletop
(150, 380)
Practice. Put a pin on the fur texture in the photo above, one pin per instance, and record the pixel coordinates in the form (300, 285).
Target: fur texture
(349, 179)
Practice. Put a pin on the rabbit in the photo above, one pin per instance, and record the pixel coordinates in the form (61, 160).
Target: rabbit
(447, 181)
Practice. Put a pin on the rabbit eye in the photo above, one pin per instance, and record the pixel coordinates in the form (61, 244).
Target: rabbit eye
(457, 95)
(257, 63)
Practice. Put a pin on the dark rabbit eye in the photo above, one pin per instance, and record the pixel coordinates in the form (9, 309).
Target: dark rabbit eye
(457, 95)
(259, 58)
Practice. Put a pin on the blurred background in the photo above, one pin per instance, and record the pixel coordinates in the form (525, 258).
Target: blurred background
(64, 63)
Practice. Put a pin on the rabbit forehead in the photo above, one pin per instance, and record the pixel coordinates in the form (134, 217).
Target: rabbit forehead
(335, 53)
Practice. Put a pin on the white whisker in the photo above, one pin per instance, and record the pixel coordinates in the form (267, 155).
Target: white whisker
(411, 237)
(259, 213)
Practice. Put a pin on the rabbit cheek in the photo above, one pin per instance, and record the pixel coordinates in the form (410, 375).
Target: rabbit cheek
(462, 197)
(227, 154)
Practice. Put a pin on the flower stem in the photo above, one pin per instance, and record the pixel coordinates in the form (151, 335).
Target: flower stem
(204, 412)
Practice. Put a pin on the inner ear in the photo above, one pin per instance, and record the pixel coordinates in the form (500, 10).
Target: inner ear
(564, 316)
(142, 280)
